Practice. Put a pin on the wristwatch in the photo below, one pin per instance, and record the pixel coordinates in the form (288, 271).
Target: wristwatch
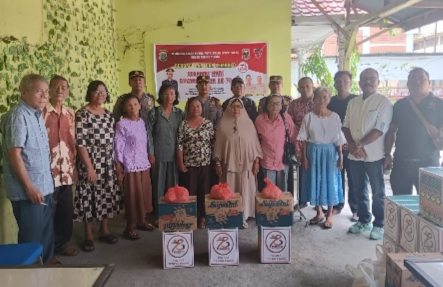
(358, 145)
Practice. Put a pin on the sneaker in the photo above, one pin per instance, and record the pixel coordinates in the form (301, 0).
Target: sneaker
(360, 227)
(377, 233)
(354, 217)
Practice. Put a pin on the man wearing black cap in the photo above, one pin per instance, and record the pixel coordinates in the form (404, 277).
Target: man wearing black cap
(275, 85)
(238, 89)
(170, 81)
(137, 83)
(211, 107)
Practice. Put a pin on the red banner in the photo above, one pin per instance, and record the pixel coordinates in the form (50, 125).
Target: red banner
(182, 64)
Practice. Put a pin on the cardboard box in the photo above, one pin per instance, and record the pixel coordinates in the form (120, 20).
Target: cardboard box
(408, 229)
(177, 216)
(223, 247)
(178, 249)
(274, 212)
(392, 220)
(275, 244)
(405, 199)
(390, 245)
(224, 213)
(430, 237)
(431, 194)
(397, 275)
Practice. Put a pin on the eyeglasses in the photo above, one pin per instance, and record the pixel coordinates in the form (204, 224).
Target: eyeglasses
(274, 104)
(99, 93)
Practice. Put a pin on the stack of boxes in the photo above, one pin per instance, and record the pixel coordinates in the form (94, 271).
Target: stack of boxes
(223, 217)
(274, 218)
(177, 221)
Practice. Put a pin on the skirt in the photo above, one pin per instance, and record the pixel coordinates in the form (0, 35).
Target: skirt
(321, 183)
(137, 197)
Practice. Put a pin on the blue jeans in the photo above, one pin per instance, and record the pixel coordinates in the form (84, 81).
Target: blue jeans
(372, 172)
(279, 178)
(36, 224)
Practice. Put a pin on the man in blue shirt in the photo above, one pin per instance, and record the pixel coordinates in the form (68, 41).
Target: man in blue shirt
(27, 169)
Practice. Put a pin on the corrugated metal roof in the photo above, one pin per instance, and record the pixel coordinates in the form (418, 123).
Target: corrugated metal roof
(307, 8)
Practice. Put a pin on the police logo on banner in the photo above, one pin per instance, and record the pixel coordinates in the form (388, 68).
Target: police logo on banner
(246, 54)
(258, 52)
(275, 242)
(163, 55)
(178, 246)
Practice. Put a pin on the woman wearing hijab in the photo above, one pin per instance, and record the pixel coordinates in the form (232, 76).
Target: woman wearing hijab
(237, 153)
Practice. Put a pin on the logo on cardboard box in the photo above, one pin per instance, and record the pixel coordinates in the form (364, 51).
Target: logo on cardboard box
(223, 204)
(178, 246)
(408, 228)
(275, 203)
(223, 244)
(391, 216)
(275, 241)
(428, 240)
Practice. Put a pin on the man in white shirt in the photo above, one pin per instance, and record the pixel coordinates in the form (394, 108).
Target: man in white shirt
(366, 123)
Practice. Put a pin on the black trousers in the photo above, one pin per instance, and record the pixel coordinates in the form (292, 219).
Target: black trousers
(198, 181)
(63, 208)
(352, 200)
(405, 174)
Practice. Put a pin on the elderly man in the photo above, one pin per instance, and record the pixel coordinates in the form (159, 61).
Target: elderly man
(297, 109)
(147, 101)
(366, 123)
(238, 89)
(60, 125)
(211, 106)
(414, 147)
(339, 104)
(27, 168)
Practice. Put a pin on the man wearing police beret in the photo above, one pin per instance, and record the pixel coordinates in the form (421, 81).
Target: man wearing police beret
(238, 89)
(170, 81)
(211, 106)
(147, 101)
(275, 85)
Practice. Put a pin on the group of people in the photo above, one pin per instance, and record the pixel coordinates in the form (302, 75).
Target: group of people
(111, 158)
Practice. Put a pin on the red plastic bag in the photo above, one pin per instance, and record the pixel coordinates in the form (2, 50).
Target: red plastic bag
(271, 191)
(177, 194)
(221, 192)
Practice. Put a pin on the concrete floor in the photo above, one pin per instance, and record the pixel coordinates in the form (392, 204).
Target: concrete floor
(319, 258)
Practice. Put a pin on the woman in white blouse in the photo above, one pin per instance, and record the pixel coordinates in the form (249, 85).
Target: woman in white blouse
(322, 139)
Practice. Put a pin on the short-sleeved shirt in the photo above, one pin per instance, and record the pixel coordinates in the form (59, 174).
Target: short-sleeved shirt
(23, 127)
(162, 133)
(212, 110)
(413, 141)
(339, 106)
(249, 104)
(362, 116)
(61, 134)
(249, 89)
(147, 102)
(195, 143)
(297, 109)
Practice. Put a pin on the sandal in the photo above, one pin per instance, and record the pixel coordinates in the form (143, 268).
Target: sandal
(202, 224)
(88, 245)
(131, 235)
(53, 261)
(328, 225)
(146, 227)
(68, 251)
(313, 222)
(109, 238)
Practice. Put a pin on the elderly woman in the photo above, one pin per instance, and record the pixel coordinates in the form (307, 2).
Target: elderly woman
(237, 153)
(98, 195)
(195, 135)
(162, 132)
(271, 128)
(322, 159)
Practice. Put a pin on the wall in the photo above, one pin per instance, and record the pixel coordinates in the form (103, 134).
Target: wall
(140, 24)
(75, 39)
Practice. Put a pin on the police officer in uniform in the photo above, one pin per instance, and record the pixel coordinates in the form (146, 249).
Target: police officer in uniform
(211, 106)
(147, 101)
(275, 85)
(238, 89)
(170, 81)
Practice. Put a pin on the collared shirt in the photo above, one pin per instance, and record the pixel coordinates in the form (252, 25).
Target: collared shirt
(249, 105)
(212, 110)
(362, 116)
(260, 89)
(147, 102)
(23, 127)
(413, 141)
(297, 109)
(162, 133)
(249, 89)
(61, 134)
(272, 139)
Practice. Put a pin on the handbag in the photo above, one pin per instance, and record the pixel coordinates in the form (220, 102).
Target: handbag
(435, 133)
(289, 157)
